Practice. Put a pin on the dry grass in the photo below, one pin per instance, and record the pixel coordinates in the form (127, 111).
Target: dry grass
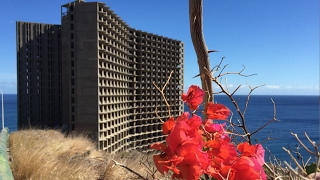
(48, 154)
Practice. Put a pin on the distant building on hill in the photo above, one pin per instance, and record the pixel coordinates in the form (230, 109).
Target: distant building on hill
(93, 74)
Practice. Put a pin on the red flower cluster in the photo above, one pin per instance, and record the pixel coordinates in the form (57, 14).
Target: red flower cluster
(194, 97)
(194, 147)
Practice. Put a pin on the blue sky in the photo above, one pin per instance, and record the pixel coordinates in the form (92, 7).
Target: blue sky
(278, 40)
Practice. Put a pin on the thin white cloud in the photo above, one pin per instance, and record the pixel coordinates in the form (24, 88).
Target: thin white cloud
(8, 76)
(273, 87)
(301, 87)
(306, 87)
(8, 84)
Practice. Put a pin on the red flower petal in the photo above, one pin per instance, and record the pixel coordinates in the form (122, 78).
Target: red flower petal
(246, 149)
(217, 111)
(159, 146)
(165, 163)
(188, 172)
(259, 155)
(194, 122)
(168, 126)
(177, 135)
(194, 97)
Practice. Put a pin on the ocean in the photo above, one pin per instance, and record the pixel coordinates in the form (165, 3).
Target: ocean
(297, 114)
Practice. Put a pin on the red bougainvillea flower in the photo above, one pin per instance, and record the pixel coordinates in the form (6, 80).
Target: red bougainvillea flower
(242, 168)
(254, 151)
(227, 172)
(194, 122)
(184, 131)
(182, 153)
(217, 111)
(211, 127)
(248, 168)
(165, 163)
(194, 97)
(194, 147)
(253, 155)
(246, 149)
(194, 162)
(259, 155)
(168, 126)
(222, 151)
(167, 160)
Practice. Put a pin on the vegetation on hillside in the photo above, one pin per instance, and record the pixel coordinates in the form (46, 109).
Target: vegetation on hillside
(48, 154)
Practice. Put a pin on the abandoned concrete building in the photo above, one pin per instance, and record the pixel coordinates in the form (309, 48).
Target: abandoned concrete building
(94, 74)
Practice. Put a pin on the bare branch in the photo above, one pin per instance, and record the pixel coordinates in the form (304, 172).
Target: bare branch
(162, 92)
(236, 90)
(218, 66)
(311, 142)
(219, 75)
(302, 144)
(295, 172)
(156, 111)
(248, 97)
(132, 171)
(272, 120)
(295, 161)
(239, 73)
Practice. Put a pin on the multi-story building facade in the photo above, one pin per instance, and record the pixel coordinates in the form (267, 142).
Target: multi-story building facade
(39, 75)
(105, 71)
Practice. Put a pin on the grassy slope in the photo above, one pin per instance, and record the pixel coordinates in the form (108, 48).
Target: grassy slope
(47, 154)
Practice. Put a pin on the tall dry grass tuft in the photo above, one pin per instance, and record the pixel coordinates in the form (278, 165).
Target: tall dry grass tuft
(140, 163)
(48, 154)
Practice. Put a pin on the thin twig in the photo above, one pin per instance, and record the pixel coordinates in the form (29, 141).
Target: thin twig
(156, 111)
(132, 171)
(295, 172)
(272, 120)
(239, 73)
(294, 160)
(236, 90)
(305, 147)
(162, 93)
(248, 97)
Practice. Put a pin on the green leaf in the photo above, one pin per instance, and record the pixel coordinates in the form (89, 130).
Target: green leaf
(311, 168)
